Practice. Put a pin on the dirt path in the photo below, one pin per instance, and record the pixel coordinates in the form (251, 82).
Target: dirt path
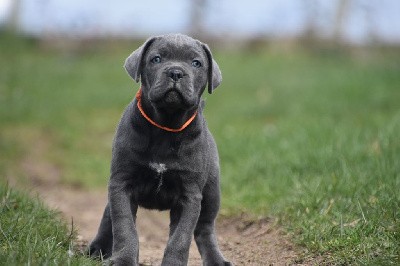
(243, 241)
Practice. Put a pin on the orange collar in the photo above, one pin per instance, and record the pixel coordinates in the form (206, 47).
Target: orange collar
(175, 130)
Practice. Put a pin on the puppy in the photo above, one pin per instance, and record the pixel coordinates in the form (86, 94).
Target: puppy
(164, 157)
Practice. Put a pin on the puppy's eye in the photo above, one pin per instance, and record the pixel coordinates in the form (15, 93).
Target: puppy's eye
(156, 59)
(196, 63)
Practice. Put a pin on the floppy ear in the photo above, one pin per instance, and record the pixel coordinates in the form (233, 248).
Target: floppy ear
(133, 64)
(214, 74)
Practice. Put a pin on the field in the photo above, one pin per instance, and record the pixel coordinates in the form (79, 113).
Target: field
(309, 138)
(30, 234)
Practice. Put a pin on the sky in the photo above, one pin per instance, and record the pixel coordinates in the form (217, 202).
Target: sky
(235, 18)
(4, 7)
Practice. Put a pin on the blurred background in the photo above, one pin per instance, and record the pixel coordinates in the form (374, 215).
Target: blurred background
(350, 21)
(307, 118)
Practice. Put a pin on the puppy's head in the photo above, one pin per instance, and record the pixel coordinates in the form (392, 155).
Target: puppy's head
(174, 70)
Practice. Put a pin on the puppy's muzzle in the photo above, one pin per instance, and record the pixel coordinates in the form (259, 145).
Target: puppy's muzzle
(175, 74)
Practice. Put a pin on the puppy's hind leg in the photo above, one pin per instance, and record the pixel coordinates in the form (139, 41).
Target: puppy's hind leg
(101, 246)
(204, 233)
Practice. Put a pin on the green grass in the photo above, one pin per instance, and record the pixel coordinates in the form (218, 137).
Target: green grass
(30, 234)
(315, 141)
(310, 139)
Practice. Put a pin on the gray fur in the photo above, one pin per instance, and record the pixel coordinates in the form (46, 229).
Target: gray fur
(157, 169)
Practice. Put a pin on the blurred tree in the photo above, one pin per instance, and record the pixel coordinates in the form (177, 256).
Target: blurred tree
(313, 11)
(13, 21)
(196, 26)
(311, 8)
(341, 14)
(373, 35)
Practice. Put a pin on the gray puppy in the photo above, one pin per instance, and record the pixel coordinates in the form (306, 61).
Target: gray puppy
(164, 156)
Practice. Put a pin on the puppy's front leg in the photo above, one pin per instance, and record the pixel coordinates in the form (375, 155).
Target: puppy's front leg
(125, 249)
(183, 221)
(101, 246)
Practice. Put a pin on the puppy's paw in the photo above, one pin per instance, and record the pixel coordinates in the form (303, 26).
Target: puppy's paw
(96, 250)
(218, 263)
(122, 261)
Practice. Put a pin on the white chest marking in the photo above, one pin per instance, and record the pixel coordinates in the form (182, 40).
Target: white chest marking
(160, 168)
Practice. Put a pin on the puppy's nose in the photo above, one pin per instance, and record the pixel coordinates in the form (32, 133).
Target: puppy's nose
(175, 74)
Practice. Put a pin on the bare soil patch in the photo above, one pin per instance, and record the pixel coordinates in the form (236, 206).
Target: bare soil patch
(243, 240)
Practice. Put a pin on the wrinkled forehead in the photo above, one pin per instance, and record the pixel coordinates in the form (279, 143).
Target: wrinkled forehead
(177, 46)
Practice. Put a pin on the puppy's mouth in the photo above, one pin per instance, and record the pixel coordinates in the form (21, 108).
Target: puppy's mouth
(173, 97)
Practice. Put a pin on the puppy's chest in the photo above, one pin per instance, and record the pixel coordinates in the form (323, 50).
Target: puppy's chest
(163, 171)
(172, 155)
(159, 150)
(157, 186)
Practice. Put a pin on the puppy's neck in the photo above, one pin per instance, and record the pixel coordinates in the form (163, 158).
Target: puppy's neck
(169, 119)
